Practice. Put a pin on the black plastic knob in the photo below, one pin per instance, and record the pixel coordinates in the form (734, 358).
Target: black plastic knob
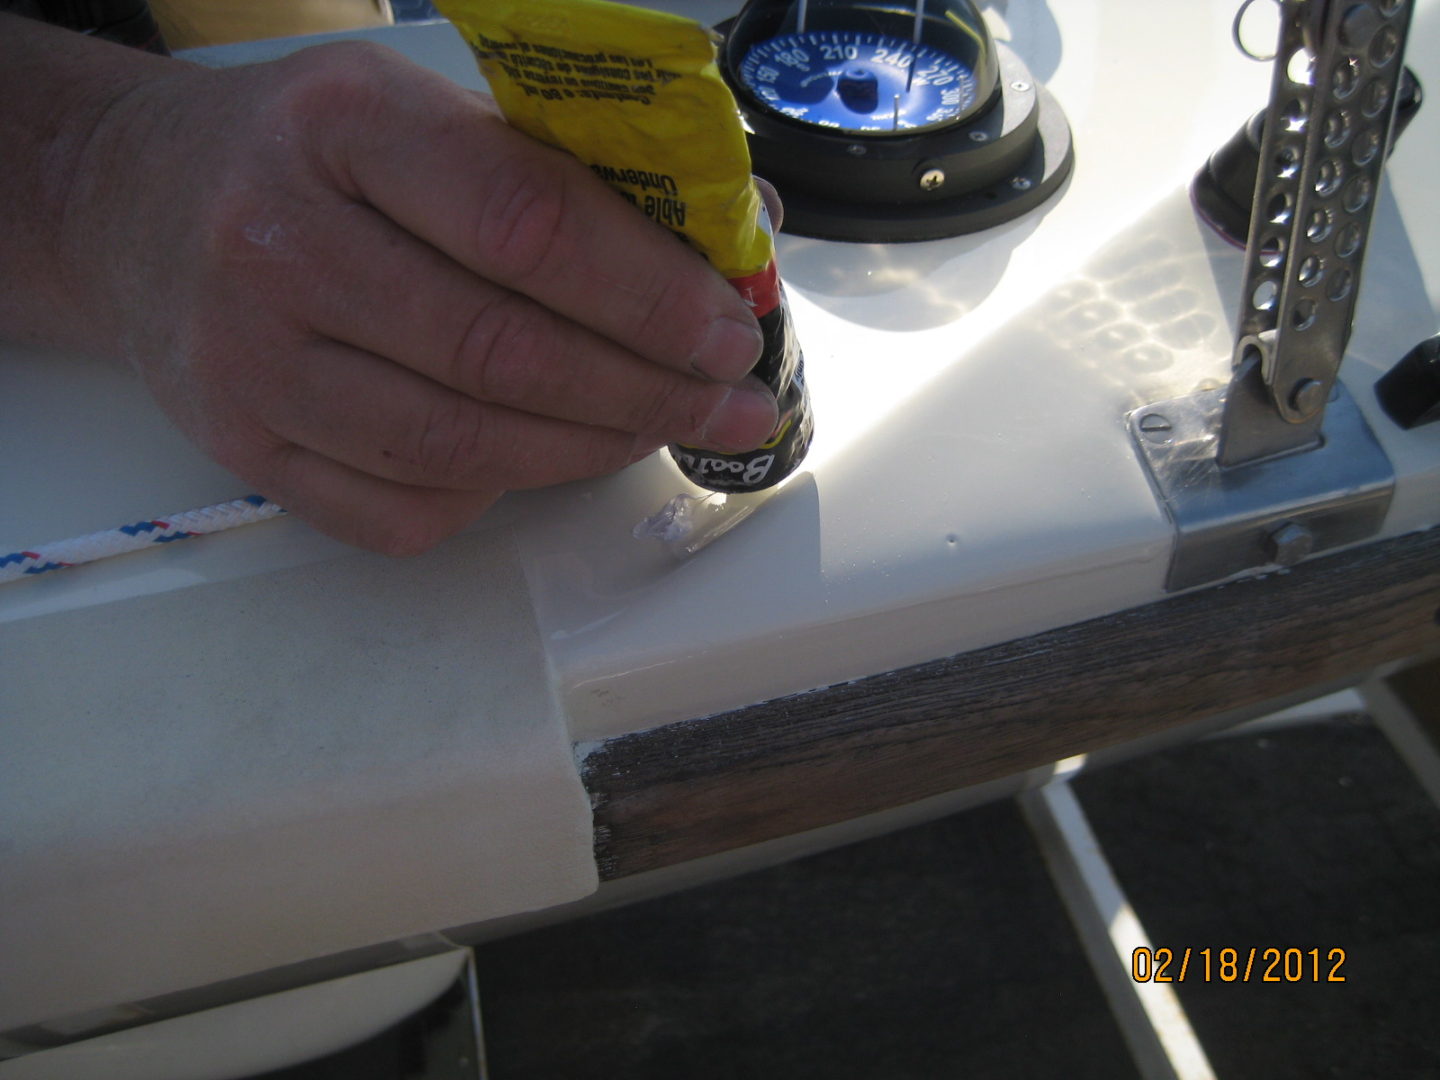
(1410, 391)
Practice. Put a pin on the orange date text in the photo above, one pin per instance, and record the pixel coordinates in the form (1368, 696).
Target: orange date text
(1237, 965)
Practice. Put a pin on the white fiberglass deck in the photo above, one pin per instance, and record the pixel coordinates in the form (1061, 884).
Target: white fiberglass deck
(256, 748)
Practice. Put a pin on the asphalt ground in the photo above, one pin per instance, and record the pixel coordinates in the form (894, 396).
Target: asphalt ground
(945, 951)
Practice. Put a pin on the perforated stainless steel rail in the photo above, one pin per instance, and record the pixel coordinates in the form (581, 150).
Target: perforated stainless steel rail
(1326, 136)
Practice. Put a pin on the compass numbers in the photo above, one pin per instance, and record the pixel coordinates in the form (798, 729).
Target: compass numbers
(858, 82)
(890, 56)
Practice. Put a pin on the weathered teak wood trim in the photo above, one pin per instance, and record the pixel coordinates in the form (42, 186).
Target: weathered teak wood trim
(695, 788)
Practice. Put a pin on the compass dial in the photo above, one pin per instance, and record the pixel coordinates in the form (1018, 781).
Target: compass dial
(858, 82)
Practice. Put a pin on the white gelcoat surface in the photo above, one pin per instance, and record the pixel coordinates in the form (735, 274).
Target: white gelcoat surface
(275, 726)
(255, 1036)
(241, 752)
(971, 479)
(203, 783)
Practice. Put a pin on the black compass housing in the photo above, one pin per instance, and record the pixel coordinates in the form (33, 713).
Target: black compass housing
(1002, 154)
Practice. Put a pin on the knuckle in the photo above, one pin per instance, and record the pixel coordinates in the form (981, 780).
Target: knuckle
(337, 68)
(243, 444)
(497, 356)
(326, 84)
(676, 407)
(270, 464)
(318, 83)
(670, 406)
(521, 217)
(673, 306)
(455, 443)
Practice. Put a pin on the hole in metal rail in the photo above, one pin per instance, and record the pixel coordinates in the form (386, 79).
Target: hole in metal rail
(1347, 243)
(1328, 177)
(1357, 194)
(1337, 128)
(1294, 116)
(1319, 224)
(1375, 99)
(1346, 77)
(1287, 162)
(1300, 68)
(1385, 47)
(1367, 145)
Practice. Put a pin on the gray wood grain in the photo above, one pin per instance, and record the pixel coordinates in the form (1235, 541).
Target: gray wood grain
(703, 786)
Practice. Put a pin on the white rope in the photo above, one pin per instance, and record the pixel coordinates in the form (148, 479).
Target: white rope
(60, 554)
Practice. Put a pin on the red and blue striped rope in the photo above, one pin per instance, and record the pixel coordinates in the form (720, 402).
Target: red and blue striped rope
(60, 554)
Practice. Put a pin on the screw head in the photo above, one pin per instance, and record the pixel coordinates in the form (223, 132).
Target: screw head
(931, 179)
(1021, 183)
(1156, 428)
(979, 136)
(1289, 543)
(855, 150)
(1308, 396)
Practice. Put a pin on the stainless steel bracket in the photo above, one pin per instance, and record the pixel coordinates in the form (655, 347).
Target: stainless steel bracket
(1261, 473)
(1270, 513)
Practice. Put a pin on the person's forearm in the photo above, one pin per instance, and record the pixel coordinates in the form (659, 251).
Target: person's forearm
(55, 86)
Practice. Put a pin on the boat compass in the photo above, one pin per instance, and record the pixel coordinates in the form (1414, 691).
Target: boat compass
(887, 120)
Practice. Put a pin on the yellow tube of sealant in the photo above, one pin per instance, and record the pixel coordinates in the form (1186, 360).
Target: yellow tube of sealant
(637, 96)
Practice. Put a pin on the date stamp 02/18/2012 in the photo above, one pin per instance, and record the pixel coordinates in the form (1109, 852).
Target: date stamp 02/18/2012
(1230, 965)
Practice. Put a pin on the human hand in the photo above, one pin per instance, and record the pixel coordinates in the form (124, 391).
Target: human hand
(358, 289)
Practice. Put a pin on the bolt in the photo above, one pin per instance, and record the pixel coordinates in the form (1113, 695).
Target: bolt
(1021, 183)
(1157, 428)
(1290, 543)
(979, 136)
(931, 179)
(855, 150)
(1307, 397)
(1020, 87)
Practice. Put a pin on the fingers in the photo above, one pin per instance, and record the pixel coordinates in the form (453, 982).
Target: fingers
(371, 415)
(358, 508)
(773, 206)
(536, 221)
(408, 302)
(386, 307)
